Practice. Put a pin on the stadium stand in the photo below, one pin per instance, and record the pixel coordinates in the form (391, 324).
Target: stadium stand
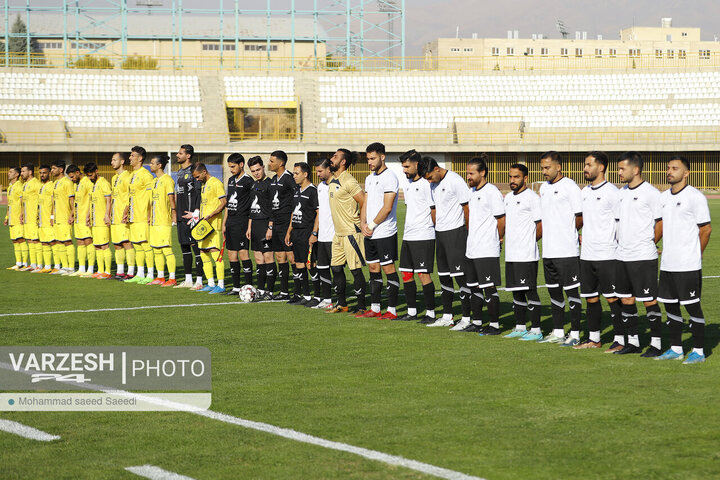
(259, 89)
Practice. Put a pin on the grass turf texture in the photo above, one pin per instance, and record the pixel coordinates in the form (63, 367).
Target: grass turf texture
(491, 407)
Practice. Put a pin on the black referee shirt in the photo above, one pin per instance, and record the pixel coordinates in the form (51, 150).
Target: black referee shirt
(305, 205)
(188, 191)
(239, 195)
(260, 205)
(282, 190)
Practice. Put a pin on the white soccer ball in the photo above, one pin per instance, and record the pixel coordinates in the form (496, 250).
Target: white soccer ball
(247, 293)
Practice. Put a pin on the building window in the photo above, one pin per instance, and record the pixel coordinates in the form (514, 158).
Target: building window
(273, 48)
(510, 51)
(598, 52)
(578, 52)
(705, 54)
(495, 51)
(453, 49)
(670, 53)
(228, 46)
(468, 49)
(51, 45)
(658, 53)
(543, 51)
(634, 52)
(613, 52)
(681, 54)
(684, 34)
(668, 38)
(211, 46)
(87, 45)
(563, 52)
(529, 51)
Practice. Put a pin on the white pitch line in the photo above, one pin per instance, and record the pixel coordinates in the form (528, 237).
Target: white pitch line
(119, 309)
(288, 433)
(27, 432)
(156, 473)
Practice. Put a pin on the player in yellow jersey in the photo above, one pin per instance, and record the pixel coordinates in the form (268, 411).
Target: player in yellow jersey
(161, 217)
(46, 233)
(62, 220)
(83, 235)
(98, 219)
(12, 218)
(119, 230)
(136, 213)
(212, 203)
(31, 189)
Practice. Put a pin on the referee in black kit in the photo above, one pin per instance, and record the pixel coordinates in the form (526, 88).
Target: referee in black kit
(187, 198)
(235, 223)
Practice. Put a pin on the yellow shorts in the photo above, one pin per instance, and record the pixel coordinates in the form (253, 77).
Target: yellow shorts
(348, 249)
(16, 232)
(46, 234)
(138, 232)
(100, 236)
(214, 240)
(120, 233)
(82, 231)
(160, 236)
(62, 232)
(30, 231)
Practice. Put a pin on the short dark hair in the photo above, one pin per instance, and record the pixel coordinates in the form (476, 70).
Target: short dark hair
(44, 166)
(59, 163)
(256, 160)
(600, 157)
(633, 158)
(162, 159)
(30, 167)
(200, 167)
(188, 149)
(123, 156)
(410, 156)
(90, 168)
(304, 167)
(236, 158)
(376, 147)
(17, 169)
(72, 169)
(323, 163)
(480, 163)
(280, 155)
(521, 167)
(552, 155)
(140, 151)
(350, 157)
(683, 159)
(426, 165)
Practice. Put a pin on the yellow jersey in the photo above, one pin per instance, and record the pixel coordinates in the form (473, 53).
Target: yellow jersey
(82, 199)
(45, 203)
(30, 199)
(212, 192)
(101, 190)
(343, 207)
(63, 191)
(161, 214)
(14, 194)
(139, 194)
(120, 188)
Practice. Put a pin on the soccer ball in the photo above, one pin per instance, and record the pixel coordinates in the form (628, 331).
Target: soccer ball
(247, 293)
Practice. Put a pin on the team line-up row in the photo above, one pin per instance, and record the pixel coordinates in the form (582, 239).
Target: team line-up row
(319, 230)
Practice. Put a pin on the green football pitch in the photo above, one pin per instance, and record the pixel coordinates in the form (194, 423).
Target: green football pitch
(485, 407)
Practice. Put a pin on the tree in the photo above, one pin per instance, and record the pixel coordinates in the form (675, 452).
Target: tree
(92, 62)
(19, 44)
(137, 62)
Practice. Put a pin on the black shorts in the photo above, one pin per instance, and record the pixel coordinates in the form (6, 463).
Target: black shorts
(597, 277)
(562, 272)
(183, 233)
(235, 231)
(521, 276)
(483, 272)
(382, 250)
(683, 287)
(417, 256)
(257, 236)
(300, 239)
(450, 251)
(278, 238)
(637, 279)
(323, 252)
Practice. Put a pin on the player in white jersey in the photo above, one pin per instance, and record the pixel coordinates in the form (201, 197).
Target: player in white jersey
(561, 203)
(486, 229)
(599, 248)
(322, 250)
(523, 229)
(639, 228)
(378, 222)
(451, 197)
(417, 253)
(686, 232)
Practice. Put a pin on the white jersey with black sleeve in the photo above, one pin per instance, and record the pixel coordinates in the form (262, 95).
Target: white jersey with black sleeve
(599, 236)
(637, 211)
(561, 202)
(418, 214)
(450, 195)
(683, 213)
(486, 207)
(522, 214)
(376, 186)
